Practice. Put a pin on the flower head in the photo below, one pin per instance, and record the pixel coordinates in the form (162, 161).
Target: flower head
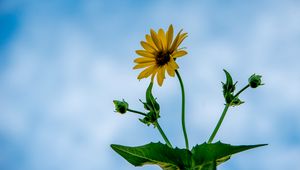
(159, 54)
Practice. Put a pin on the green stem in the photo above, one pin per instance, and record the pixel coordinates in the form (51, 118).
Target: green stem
(212, 136)
(183, 110)
(138, 112)
(163, 134)
(238, 93)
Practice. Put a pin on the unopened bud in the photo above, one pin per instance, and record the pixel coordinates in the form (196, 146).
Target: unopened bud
(121, 106)
(255, 81)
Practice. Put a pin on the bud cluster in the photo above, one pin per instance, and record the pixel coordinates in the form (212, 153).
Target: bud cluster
(151, 106)
(228, 91)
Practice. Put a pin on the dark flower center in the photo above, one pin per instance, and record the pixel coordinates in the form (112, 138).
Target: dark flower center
(162, 58)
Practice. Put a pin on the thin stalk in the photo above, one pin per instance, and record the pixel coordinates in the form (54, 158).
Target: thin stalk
(138, 112)
(183, 110)
(212, 136)
(223, 115)
(163, 134)
(238, 93)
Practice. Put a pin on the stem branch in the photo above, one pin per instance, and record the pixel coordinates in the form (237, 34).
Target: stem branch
(238, 93)
(212, 136)
(163, 134)
(138, 112)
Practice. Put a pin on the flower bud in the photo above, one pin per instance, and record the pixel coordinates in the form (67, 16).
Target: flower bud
(121, 106)
(150, 118)
(255, 81)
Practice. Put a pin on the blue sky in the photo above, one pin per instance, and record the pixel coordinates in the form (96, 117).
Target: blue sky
(63, 62)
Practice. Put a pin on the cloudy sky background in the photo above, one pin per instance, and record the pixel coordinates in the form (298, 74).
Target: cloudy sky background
(63, 62)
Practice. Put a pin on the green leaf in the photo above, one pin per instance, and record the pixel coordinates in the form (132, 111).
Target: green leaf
(150, 100)
(228, 87)
(229, 80)
(155, 153)
(207, 154)
(149, 96)
(202, 157)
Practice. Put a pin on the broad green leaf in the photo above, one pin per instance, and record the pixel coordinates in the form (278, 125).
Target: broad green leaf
(217, 152)
(202, 157)
(155, 153)
(208, 166)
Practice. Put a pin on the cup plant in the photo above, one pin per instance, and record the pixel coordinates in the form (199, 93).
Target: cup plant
(159, 55)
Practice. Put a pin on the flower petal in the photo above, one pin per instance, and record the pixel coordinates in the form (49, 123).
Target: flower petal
(147, 72)
(181, 38)
(170, 70)
(177, 54)
(144, 53)
(150, 42)
(156, 40)
(173, 46)
(173, 64)
(160, 75)
(162, 37)
(144, 60)
(142, 65)
(169, 36)
(154, 73)
(147, 47)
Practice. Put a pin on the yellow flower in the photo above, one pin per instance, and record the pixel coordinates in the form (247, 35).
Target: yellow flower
(159, 54)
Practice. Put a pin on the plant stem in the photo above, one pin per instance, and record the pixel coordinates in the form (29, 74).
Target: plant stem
(183, 110)
(238, 93)
(138, 112)
(223, 115)
(163, 134)
(212, 136)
